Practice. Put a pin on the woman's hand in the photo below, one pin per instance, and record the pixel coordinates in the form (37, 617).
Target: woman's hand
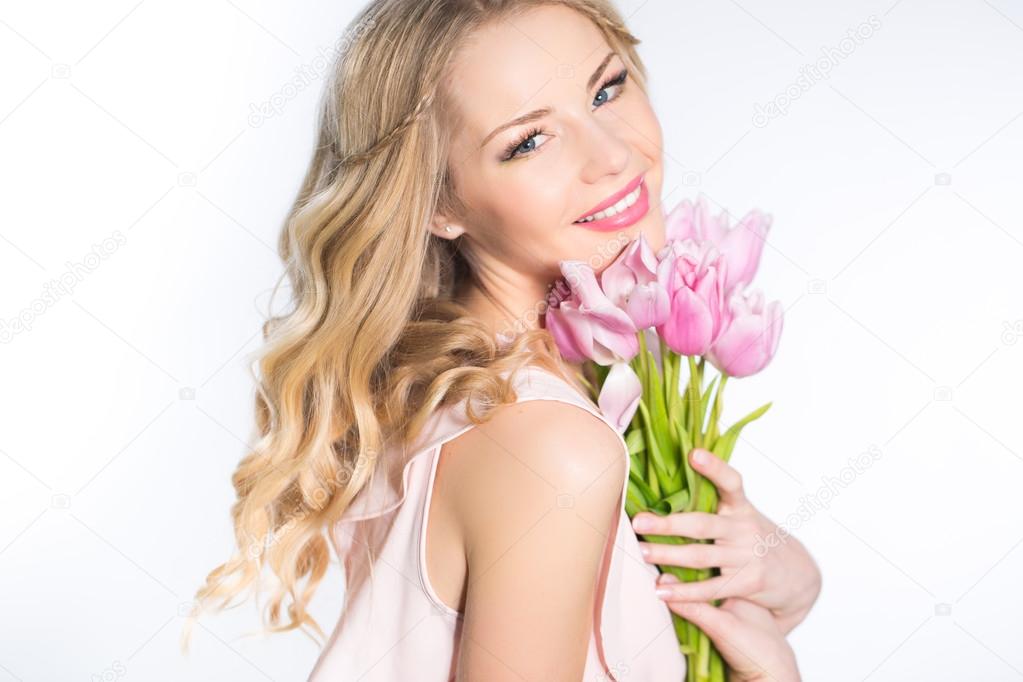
(746, 635)
(758, 560)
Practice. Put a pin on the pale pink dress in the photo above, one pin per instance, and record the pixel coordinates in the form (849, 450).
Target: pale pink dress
(395, 628)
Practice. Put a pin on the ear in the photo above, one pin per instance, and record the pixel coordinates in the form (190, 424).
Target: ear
(439, 225)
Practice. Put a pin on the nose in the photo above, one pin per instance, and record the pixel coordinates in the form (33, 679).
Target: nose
(605, 151)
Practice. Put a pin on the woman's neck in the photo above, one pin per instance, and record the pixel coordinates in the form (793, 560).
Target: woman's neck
(497, 318)
(505, 313)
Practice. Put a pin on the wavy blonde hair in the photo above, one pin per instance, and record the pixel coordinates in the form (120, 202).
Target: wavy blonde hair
(376, 338)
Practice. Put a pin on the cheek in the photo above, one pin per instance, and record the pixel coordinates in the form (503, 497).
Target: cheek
(520, 220)
(645, 127)
(531, 201)
(532, 216)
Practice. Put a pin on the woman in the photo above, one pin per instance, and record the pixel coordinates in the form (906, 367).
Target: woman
(413, 406)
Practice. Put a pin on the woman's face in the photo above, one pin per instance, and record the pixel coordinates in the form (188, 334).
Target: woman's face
(525, 183)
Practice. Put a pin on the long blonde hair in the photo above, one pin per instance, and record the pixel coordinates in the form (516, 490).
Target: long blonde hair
(375, 339)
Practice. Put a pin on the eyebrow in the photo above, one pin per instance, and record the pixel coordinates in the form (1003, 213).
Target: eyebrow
(546, 111)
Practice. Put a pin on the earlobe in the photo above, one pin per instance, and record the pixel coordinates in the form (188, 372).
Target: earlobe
(446, 230)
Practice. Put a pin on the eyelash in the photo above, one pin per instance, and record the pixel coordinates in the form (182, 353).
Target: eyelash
(510, 150)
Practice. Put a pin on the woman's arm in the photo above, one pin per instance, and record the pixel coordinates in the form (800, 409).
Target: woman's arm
(759, 561)
(537, 488)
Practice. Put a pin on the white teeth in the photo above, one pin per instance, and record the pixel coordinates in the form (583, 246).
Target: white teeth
(625, 203)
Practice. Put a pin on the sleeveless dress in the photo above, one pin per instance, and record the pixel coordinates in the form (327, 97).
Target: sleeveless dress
(394, 627)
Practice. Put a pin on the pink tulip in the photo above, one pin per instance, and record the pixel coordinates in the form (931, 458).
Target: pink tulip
(750, 337)
(740, 245)
(586, 325)
(692, 274)
(620, 394)
(630, 282)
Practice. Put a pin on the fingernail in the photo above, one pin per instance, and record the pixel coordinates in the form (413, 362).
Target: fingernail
(644, 550)
(642, 523)
(666, 578)
(662, 592)
(700, 456)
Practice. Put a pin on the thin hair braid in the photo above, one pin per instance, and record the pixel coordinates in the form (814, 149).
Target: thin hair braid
(394, 134)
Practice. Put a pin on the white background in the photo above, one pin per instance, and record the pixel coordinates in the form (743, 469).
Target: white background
(896, 251)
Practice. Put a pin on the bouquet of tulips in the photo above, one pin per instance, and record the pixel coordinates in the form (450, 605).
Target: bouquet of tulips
(635, 324)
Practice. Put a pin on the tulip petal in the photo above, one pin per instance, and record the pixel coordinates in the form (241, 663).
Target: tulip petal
(750, 339)
(689, 328)
(619, 396)
(743, 246)
(648, 305)
(592, 300)
(564, 335)
(678, 224)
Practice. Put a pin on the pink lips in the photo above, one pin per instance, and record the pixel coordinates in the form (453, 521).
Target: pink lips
(627, 217)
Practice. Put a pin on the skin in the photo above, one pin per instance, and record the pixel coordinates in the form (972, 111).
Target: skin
(520, 219)
(519, 224)
(782, 578)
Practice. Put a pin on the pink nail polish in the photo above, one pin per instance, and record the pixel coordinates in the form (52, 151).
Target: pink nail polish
(662, 592)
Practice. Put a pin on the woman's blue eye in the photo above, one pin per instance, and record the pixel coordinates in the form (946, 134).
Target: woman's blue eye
(527, 144)
(618, 80)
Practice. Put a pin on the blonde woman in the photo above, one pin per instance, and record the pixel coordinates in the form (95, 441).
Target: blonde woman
(415, 416)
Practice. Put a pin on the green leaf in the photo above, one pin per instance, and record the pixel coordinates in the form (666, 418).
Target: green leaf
(635, 502)
(660, 430)
(686, 443)
(634, 439)
(707, 499)
(672, 503)
(646, 493)
(715, 411)
(704, 401)
(755, 414)
(676, 407)
(671, 395)
(637, 463)
(663, 478)
(724, 445)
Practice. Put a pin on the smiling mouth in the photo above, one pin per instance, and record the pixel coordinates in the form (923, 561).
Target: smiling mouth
(620, 204)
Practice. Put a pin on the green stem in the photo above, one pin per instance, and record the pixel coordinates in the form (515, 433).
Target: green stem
(717, 666)
(715, 412)
(652, 465)
(592, 389)
(694, 397)
(644, 364)
(703, 658)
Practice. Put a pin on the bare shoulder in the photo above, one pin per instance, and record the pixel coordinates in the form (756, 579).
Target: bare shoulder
(536, 450)
(535, 491)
